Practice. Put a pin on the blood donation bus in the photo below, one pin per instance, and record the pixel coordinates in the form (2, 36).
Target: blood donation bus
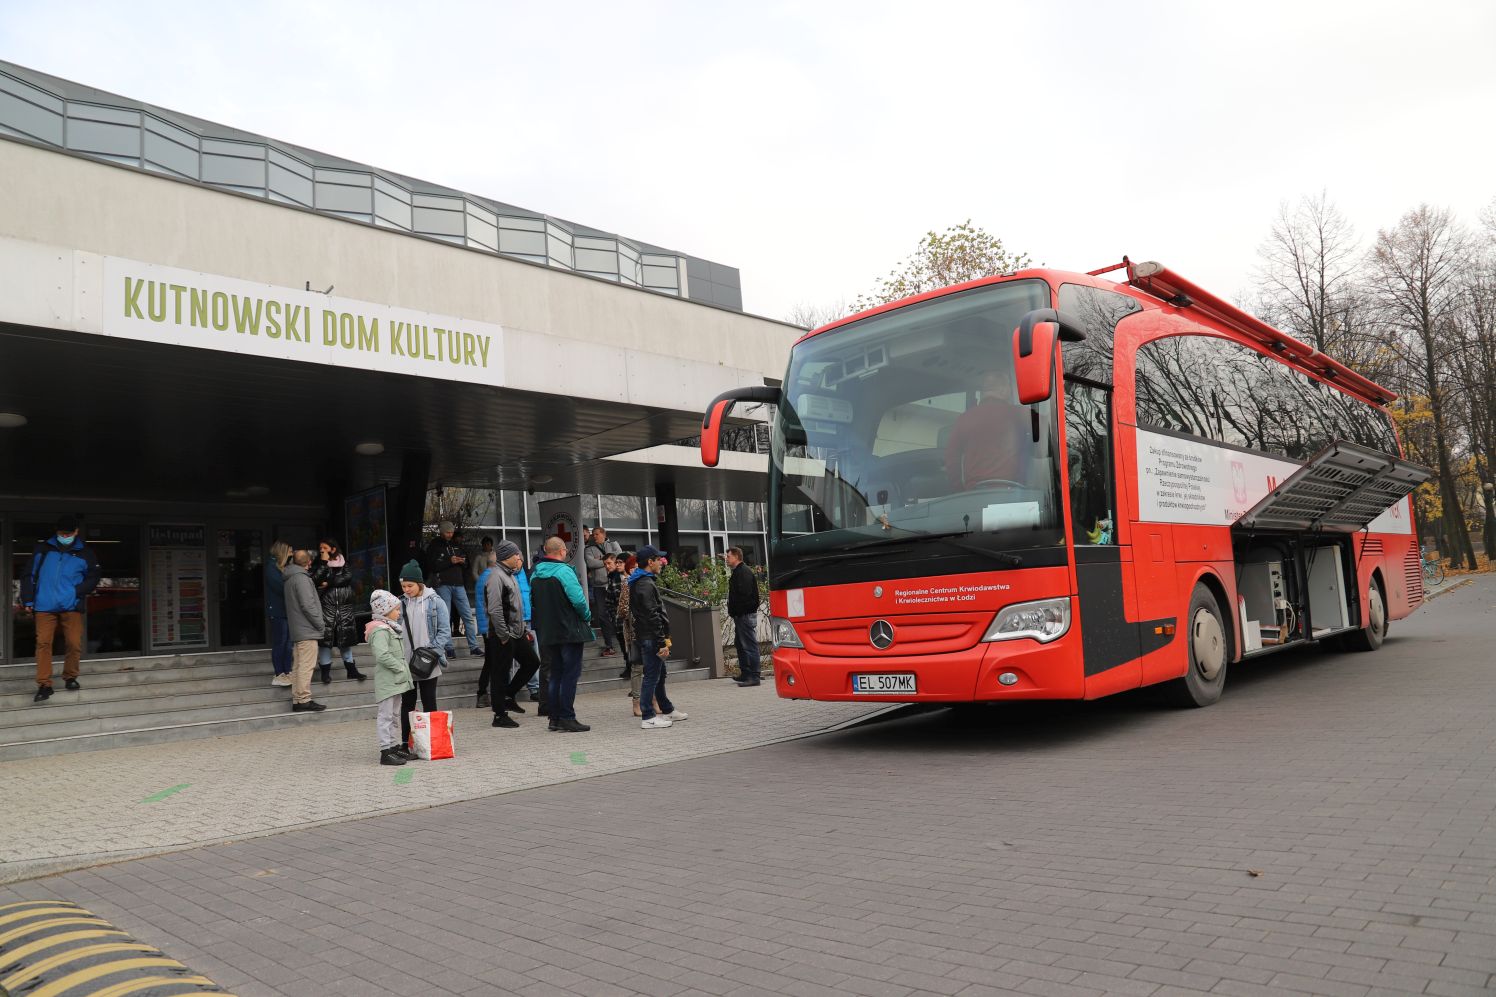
(1048, 485)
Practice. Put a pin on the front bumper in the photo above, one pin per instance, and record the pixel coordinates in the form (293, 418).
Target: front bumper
(1044, 671)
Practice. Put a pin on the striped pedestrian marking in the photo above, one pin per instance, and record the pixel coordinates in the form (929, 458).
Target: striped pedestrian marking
(55, 948)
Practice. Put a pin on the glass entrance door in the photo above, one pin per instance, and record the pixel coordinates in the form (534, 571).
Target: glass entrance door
(115, 618)
(112, 621)
(241, 587)
(23, 539)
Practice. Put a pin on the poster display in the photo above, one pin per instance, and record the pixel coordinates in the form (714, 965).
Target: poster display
(178, 564)
(562, 518)
(367, 544)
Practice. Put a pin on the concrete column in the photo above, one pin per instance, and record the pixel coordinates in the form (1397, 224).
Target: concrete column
(408, 509)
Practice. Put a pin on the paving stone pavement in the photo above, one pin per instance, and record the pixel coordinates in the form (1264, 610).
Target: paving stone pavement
(1329, 827)
(71, 811)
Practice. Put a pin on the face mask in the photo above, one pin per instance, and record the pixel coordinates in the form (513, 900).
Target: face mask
(65, 541)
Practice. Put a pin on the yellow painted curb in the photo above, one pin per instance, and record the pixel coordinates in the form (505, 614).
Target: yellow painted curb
(55, 948)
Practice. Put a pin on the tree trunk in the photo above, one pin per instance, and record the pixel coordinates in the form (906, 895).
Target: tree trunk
(1454, 519)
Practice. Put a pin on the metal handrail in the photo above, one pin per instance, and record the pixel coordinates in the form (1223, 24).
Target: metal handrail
(699, 602)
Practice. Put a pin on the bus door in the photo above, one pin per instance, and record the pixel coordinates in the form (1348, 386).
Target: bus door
(1108, 641)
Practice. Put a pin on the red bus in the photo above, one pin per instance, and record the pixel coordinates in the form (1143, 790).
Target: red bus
(1049, 485)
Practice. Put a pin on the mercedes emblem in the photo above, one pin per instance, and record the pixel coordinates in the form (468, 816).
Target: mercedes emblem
(880, 634)
(877, 591)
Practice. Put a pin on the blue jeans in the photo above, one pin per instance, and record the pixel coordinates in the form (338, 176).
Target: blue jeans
(652, 689)
(457, 594)
(745, 636)
(566, 669)
(324, 655)
(280, 645)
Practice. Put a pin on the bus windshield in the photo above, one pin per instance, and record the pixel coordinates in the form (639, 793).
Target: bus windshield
(902, 432)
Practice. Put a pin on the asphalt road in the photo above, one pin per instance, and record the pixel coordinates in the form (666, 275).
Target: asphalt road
(1328, 827)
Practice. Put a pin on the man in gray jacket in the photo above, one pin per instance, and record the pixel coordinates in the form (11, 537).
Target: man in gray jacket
(506, 626)
(304, 619)
(597, 549)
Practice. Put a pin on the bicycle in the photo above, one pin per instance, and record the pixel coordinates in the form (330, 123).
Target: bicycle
(1433, 570)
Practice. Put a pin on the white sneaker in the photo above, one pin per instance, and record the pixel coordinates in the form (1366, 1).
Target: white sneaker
(678, 716)
(654, 723)
(281, 680)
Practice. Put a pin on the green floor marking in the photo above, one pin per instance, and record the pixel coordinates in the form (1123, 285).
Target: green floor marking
(579, 758)
(156, 797)
(404, 776)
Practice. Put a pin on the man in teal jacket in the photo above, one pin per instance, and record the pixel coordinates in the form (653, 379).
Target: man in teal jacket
(563, 623)
(62, 573)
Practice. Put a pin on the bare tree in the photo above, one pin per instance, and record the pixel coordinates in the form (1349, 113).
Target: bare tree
(1473, 371)
(1308, 272)
(811, 316)
(454, 505)
(1416, 272)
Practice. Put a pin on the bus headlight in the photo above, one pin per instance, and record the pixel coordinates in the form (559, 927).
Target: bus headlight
(1043, 621)
(782, 633)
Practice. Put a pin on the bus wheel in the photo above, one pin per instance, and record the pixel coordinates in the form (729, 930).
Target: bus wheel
(1371, 636)
(1208, 650)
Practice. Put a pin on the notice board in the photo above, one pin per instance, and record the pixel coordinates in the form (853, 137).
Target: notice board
(178, 564)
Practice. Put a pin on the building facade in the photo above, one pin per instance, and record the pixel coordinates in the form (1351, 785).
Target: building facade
(210, 340)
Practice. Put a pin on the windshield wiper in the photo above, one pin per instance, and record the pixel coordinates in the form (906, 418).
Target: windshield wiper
(869, 548)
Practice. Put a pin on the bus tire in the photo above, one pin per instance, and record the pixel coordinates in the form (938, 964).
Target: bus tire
(1207, 648)
(1369, 637)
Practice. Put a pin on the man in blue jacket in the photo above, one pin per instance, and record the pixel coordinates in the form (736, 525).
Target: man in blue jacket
(63, 571)
(563, 622)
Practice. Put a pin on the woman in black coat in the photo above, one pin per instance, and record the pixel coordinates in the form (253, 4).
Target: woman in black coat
(334, 581)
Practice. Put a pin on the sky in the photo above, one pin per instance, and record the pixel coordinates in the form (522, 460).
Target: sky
(811, 145)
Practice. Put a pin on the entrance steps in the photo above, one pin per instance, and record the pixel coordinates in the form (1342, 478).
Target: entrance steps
(150, 700)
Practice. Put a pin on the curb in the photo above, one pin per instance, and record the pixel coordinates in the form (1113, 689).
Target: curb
(1449, 588)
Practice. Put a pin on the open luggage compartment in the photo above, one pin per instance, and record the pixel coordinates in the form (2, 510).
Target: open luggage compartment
(1295, 564)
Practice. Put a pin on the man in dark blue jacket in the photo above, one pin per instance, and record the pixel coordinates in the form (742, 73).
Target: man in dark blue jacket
(63, 571)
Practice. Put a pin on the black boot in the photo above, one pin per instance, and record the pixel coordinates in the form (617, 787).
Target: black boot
(327, 674)
(353, 671)
(391, 756)
(503, 720)
(511, 706)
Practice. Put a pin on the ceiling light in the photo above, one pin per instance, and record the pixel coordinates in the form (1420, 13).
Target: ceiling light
(257, 490)
(540, 479)
(370, 449)
(12, 420)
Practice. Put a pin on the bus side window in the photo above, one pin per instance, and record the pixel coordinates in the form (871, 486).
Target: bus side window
(1088, 437)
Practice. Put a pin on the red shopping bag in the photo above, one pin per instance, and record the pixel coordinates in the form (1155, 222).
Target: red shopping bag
(431, 735)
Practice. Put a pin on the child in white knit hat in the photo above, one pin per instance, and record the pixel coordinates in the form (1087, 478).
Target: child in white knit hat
(391, 674)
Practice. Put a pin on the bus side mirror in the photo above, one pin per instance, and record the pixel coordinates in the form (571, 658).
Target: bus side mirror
(716, 415)
(1033, 351)
(1033, 361)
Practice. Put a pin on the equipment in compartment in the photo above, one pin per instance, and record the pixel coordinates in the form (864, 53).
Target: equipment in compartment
(1328, 603)
(1265, 604)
